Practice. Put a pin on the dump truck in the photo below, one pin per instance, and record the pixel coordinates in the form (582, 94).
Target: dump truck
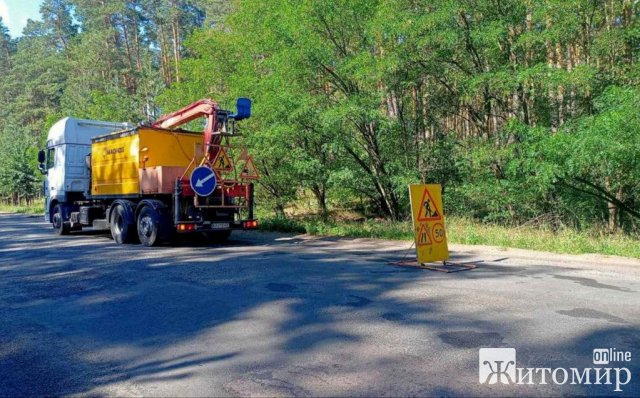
(150, 182)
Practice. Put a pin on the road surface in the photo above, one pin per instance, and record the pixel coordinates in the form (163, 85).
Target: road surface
(282, 315)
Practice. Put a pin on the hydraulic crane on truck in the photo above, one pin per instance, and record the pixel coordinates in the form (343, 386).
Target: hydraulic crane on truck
(234, 189)
(216, 121)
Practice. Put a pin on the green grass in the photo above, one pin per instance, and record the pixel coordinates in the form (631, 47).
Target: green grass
(466, 231)
(459, 230)
(37, 208)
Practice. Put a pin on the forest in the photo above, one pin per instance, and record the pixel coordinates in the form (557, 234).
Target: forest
(526, 111)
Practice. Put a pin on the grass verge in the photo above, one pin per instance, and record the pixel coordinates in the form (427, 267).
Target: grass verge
(34, 209)
(459, 230)
(470, 232)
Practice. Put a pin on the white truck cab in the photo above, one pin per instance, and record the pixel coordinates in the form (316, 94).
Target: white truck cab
(64, 160)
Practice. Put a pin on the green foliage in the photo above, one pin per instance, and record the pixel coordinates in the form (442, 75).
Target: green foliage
(463, 230)
(597, 155)
(525, 111)
(17, 179)
(110, 66)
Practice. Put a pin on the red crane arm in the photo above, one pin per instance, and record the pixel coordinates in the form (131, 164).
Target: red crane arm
(202, 108)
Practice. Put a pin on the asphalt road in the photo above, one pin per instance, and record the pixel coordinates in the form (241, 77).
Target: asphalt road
(280, 315)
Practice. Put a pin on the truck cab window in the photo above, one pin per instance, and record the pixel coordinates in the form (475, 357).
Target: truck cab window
(51, 157)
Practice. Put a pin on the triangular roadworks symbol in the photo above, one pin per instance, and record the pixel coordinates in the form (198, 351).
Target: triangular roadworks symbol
(249, 171)
(423, 238)
(222, 161)
(428, 209)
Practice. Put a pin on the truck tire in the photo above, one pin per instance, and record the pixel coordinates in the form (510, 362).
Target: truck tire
(60, 227)
(216, 236)
(121, 231)
(149, 226)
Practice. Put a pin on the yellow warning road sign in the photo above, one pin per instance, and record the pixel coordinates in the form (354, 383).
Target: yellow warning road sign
(249, 171)
(422, 237)
(428, 208)
(428, 222)
(222, 161)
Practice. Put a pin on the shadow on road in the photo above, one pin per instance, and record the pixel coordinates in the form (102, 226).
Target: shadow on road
(79, 313)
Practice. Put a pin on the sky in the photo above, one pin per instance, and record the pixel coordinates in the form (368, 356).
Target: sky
(15, 13)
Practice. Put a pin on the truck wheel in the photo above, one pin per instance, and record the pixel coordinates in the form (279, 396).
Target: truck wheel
(121, 231)
(59, 225)
(149, 226)
(217, 236)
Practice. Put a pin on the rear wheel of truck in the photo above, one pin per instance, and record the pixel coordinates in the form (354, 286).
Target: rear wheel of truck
(59, 225)
(121, 231)
(149, 226)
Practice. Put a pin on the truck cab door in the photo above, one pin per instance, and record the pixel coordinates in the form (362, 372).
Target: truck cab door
(49, 180)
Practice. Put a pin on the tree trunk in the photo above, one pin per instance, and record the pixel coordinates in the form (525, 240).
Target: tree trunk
(278, 209)
(320, 193)
(560, 92)
(613, 217)
(164, 63)
(130, 79)
(175, 29)
(614, 211)
(551, 94)
(136, 42)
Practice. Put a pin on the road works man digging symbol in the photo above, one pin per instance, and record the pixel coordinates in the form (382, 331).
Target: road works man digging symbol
(222, 161)
(428, 208)
(428, 223)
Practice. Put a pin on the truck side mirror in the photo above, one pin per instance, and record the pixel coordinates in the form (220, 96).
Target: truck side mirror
(41, 160)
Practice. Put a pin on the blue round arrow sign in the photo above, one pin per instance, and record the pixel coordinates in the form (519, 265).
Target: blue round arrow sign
(203, 180)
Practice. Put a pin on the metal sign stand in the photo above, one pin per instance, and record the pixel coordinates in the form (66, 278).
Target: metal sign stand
(446, 267)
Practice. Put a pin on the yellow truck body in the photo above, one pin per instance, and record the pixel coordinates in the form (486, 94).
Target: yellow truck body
(141, 161)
